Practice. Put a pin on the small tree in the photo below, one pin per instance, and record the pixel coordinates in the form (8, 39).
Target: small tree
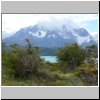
(71, 56)
(24, 61)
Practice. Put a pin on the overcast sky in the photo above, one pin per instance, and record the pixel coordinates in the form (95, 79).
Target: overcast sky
(13, 22)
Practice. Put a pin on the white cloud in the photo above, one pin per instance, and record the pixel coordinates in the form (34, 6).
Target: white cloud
(94, 33)
(14, 22)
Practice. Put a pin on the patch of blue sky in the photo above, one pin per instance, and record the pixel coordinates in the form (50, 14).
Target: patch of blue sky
(92, 26)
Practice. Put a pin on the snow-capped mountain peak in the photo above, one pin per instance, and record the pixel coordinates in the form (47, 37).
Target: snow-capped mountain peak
(51, 37)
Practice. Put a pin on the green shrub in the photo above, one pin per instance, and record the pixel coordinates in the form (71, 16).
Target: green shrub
(70, 57)
(24, 61)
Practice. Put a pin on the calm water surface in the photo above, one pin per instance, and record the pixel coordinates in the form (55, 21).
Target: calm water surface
(51, 59)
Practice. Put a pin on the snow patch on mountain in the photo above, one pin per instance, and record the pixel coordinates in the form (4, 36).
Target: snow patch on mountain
(54, 35)
(49, 35)
(30, 33)
(39, 34)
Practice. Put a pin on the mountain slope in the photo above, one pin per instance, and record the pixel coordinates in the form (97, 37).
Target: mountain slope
(41, 36)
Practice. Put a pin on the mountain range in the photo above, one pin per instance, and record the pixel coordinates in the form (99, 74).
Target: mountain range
(41, 36)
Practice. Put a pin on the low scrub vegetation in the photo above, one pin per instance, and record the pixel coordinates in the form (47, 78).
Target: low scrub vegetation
(22, 66)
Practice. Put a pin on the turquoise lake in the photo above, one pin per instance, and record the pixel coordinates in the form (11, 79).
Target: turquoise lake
(51, 59)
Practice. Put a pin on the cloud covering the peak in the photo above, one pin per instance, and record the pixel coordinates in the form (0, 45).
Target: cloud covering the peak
(13, 22)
